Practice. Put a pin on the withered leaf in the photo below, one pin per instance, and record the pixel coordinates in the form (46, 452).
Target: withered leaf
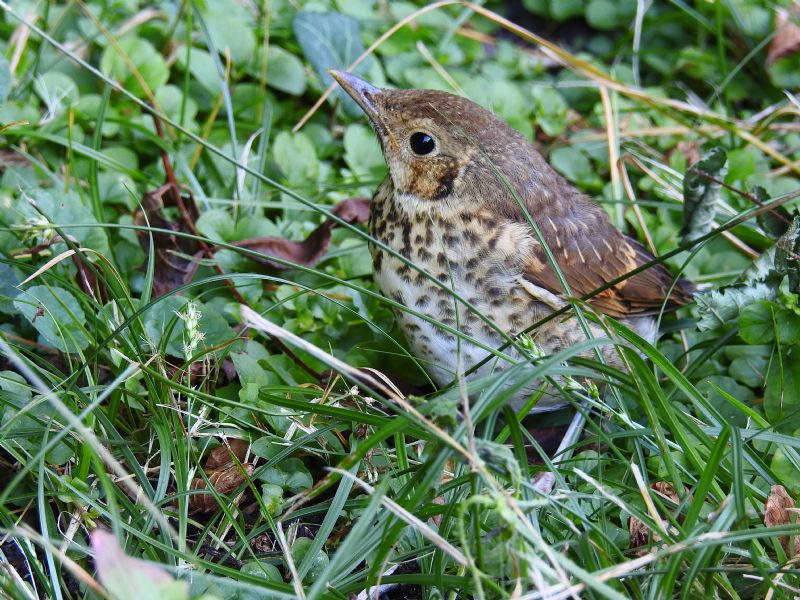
(224, 473)
(787, 34)
(224, 481)
(311, 250)
(639, 532)
(173, 267)
(777, 513)
(220, 457)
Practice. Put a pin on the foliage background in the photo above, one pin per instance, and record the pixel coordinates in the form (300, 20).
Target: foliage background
(112, 400)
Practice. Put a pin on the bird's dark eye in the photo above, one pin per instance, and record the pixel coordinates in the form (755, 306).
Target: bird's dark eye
(421, 143)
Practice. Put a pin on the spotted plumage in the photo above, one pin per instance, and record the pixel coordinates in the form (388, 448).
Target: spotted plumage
(459, 207)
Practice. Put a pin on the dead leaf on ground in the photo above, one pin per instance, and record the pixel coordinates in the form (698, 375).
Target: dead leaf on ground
(638, 531)
(311, 250)
(787, 34)
(777, 512)
(176, 257)
(225, 471)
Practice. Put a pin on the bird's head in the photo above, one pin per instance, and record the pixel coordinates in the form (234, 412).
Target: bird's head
(437, 145)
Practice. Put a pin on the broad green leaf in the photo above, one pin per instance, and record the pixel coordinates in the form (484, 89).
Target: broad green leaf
(259, 568)
(781, 399)
(295, 155)
(757, 323)
(575, 166)
(272, 496)
(550, 110)
(24, 418)
(749, 369)
(561, 10)
(201, 66)
(170, 99)
(5, 78)
(719, 307)
(785, 470)
(231, 32)
(331, 41)
(149, 63)
(362, 152)
(65, 210)
(602, 14)
(700, 194)
(216, 224)
(56, 315)
(729, 412)
(285, 71)
(56, 90)
(299, 550)
(9, 278)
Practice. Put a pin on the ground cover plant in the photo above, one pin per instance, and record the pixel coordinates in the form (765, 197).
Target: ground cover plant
(202, 394)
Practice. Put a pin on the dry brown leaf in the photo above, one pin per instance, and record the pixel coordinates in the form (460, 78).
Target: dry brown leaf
(220, 458)
(787, 34)
(639, 532)
(224, 481)
(311, 250)
(225, 471)
(666, 489)
(777, 512)
(176, 257)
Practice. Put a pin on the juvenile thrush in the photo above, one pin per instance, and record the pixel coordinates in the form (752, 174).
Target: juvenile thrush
(451, 205)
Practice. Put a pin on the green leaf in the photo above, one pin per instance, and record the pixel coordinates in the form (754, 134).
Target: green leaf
(258, 568)
(67, 209)
(575, 166)
(145, 58)
(783, 380)
(331, 41)
(230, 32)
(700, 194)
(362, 152)
(602, 14)
(749, 369)
(5, 78)
(285, 71)
(202, 68)
(216, 224)
(24, 419)
(550, 110)
(561, 10)
(56, 315)
(785, 470)
(295, 155)
(719, 307)
(757, 323)
(272, 496)
(9, 278)
(56, 90)
(299, 550)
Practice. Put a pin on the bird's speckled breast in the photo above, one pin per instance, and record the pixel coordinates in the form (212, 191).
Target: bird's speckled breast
(471, 254)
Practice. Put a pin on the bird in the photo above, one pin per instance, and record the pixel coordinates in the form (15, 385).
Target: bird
(475, 207)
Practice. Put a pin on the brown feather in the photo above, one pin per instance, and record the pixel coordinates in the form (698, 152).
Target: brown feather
(591, 253)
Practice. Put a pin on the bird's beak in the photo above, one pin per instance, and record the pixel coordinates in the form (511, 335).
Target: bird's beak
(363, 93)
(366, 96)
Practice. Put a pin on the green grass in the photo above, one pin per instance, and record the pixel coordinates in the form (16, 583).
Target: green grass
(112, 400)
